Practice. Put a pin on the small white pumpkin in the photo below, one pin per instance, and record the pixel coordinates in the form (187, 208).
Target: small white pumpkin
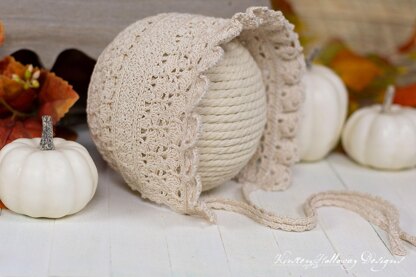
(382, 136)
(48, 177)
(323, 113)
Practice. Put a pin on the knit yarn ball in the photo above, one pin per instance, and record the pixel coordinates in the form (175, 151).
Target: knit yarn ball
(233, 114)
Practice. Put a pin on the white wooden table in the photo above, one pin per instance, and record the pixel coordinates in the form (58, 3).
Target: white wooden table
(119, 234)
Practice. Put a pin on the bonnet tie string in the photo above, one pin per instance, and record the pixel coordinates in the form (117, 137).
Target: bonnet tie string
(374, 209)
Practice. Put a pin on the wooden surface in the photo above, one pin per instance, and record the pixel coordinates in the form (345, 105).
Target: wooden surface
(50, 26)
(119, 234)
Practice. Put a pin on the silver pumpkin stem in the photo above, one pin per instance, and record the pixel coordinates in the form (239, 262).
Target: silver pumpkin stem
(311, 57)
(388, 99)
(46, 142)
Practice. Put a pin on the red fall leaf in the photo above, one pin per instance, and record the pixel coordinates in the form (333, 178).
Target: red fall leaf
(406, 95)
(11, 129)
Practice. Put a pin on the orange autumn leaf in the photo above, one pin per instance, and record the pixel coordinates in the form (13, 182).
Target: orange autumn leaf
(12, 94)
(2, 33)
(8, 87)
(356, 71)
(56, 96)
(366, 76)
(27, 93)
(409, 44)
(406, 95)
(9, 66)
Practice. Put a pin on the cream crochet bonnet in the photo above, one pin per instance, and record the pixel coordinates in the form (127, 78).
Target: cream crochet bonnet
(158, 115)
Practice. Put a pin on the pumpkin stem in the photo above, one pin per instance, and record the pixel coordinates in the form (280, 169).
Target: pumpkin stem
(388, 99)
(311, 57)
(46, 142)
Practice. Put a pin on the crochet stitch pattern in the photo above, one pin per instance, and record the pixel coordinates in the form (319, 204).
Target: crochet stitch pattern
(151, 117)
(146, 89)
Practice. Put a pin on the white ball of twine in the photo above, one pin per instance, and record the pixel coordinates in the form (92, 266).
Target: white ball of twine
(233, 114)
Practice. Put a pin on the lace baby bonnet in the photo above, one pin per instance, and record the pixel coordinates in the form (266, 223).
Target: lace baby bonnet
(147, 105)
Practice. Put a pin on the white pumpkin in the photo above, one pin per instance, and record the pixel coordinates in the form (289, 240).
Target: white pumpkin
(51, 177)
(382, 137)
(323, 112)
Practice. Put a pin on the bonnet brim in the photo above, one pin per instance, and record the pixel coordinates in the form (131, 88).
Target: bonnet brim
(275, 47)
(142, 115)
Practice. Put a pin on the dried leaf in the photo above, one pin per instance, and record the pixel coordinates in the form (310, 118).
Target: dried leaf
(8, 88)
(366, 76)
(11, 129)
(409, 44)
(27, 93)
(2, 33)
(356, 71)
(9, 66)
(56, 96)
(406, 95)
(13, 95)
